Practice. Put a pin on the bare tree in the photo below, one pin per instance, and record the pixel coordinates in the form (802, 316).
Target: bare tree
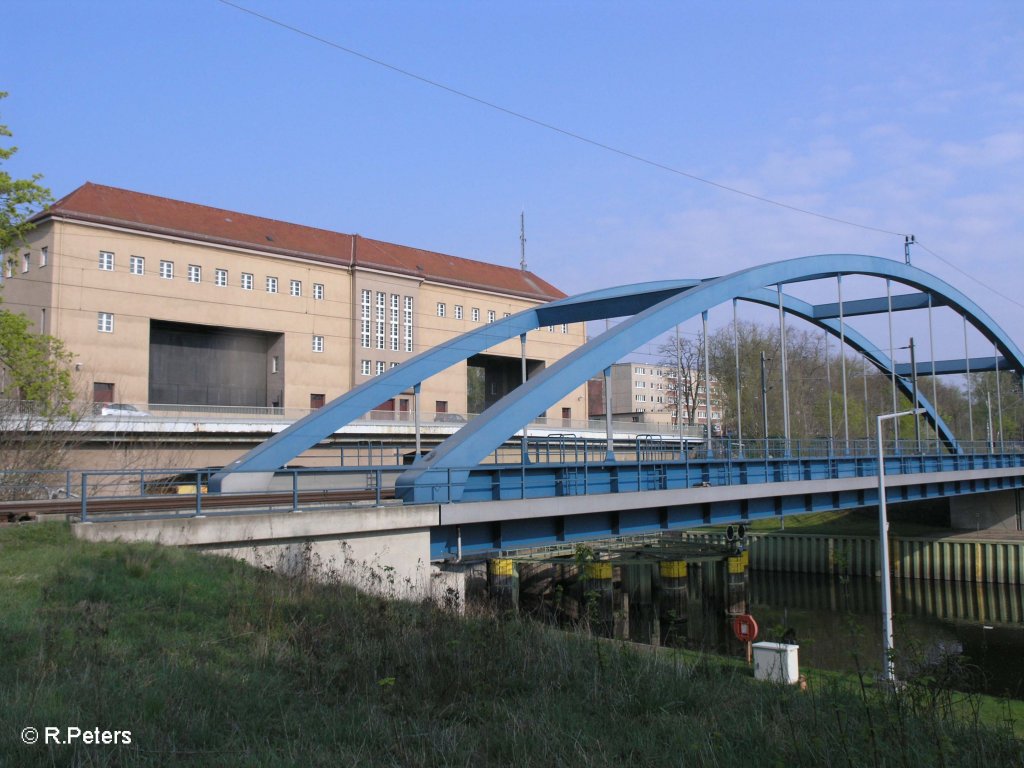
(682, 358)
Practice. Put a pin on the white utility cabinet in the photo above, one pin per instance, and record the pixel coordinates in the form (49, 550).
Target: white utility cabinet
(777, 662)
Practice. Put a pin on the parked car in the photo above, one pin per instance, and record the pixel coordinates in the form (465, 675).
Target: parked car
(451, 418)
(121, 410)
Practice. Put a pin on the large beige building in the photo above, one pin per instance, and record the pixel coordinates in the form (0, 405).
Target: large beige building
(164, 302)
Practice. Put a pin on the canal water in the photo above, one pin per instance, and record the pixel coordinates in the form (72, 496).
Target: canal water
(970, 636)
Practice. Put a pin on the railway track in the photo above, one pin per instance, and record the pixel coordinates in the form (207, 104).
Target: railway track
(18, 511)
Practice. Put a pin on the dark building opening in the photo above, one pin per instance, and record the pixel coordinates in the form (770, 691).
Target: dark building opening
(210, 365)
(490, 377)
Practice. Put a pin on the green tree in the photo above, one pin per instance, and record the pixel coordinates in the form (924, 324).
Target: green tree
(815, 389)
(36, 367)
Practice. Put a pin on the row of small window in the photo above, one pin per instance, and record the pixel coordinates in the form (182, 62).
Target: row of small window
(26, 261)
(442, 311)
(654, 399)
(474, 315)
(654, 385)
(137, 266)
(378, 367)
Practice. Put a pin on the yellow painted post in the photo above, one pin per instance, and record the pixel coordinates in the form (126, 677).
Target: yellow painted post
(736, 585)
(674, 597)
(503, 582)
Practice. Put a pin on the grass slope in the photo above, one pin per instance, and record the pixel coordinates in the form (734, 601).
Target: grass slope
(208, 661)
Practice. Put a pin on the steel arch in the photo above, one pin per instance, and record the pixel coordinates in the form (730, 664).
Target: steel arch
(446, 464)
(655, 307)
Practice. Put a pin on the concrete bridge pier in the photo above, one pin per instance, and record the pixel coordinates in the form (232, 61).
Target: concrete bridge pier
(995, 510)
(382, 550)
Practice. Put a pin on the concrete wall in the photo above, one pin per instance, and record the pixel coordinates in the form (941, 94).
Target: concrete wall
(385, 549)
(999, 510)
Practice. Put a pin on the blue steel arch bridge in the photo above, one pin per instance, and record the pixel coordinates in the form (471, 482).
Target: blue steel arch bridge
(501, 505)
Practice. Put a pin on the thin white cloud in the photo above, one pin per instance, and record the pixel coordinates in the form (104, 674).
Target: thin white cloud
(994, 150)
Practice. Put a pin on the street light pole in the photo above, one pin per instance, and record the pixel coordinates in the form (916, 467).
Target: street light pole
(913, 378)
(764, 405)
(888, 664)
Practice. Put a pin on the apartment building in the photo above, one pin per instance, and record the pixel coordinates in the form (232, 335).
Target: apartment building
(169, 302)
(646, 393)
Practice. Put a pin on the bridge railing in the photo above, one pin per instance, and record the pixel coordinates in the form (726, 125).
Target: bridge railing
(173, 492)
(577, 466)
(720, 463)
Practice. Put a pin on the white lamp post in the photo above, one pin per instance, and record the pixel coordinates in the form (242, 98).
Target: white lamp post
(888, 663)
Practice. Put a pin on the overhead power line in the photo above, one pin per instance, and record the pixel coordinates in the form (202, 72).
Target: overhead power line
(601, 145)
(555, 128)
(968, 275)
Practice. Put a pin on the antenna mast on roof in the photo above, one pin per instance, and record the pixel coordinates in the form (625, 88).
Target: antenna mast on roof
(522, 240)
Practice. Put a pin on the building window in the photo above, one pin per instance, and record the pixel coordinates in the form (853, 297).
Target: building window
(107, 261)
(9, 267)
(440, 309)
(271, 284)
(382, 299)
(318, 291)
(491, 315)
(25, 261)
(137, 265)
(475, 315)
(102, 392)
(364, 322)
(247, 281)
(407, 323)
(44, 256)
(380, 367)
(167, 270)
(295, 288)
(195, 273)
(565, 327)
(393, 323)
(220, 278)
(364, 367)
(551, 329)
(506, 314)
(458, 311)
(104, 322)
(318, 343)
(275, 364)
(316, 401)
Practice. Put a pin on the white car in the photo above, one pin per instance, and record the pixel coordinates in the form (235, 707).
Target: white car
(122, 410)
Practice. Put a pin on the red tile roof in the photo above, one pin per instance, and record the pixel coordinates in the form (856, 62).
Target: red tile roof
(134, 210)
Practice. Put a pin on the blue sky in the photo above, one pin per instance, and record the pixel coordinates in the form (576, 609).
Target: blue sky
(903, 116)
